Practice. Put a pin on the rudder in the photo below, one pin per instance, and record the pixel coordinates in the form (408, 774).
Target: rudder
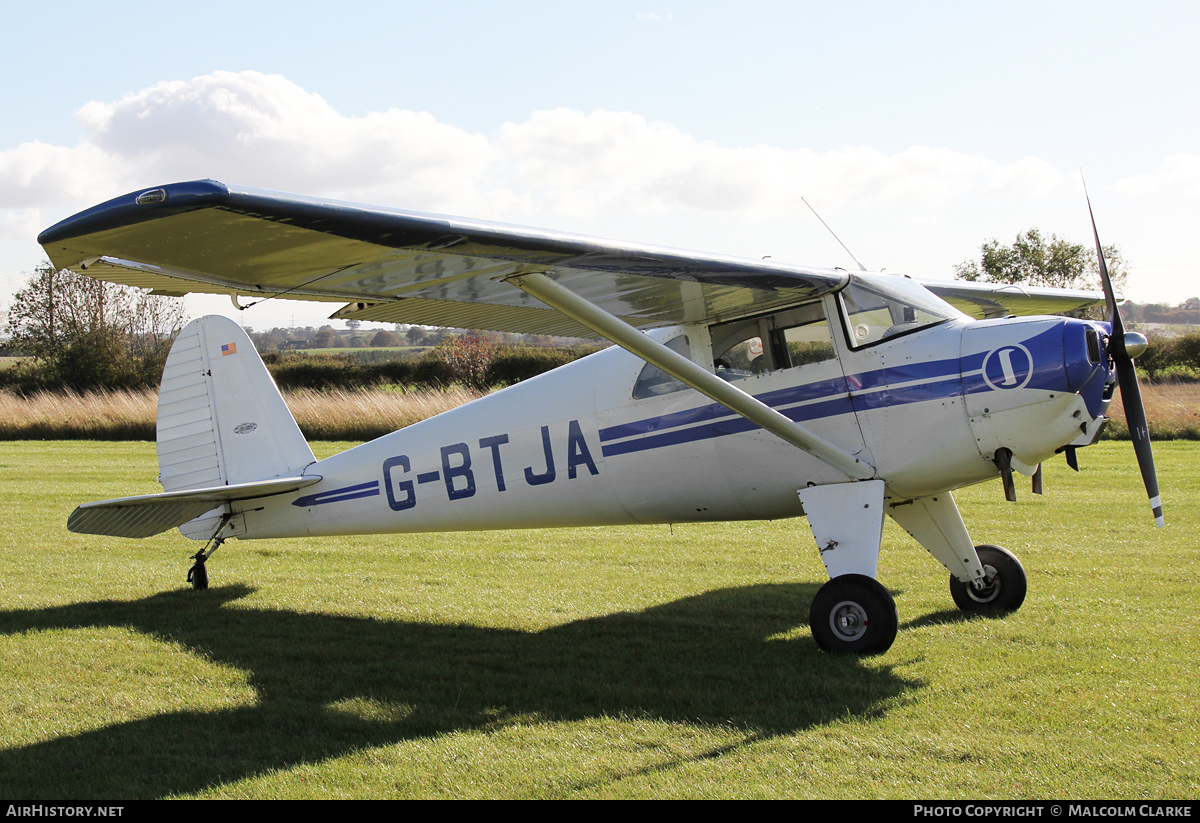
(221, 419)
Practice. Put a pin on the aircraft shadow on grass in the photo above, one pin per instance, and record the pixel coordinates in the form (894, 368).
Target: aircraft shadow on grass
(709, 659)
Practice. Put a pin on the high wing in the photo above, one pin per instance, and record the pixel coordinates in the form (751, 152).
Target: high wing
(988, 300)
(397, 266)
(404, 267)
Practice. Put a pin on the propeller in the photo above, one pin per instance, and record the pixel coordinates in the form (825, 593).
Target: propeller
(1124, 346)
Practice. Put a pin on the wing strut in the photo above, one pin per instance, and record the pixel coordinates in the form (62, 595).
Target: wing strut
(629, 338)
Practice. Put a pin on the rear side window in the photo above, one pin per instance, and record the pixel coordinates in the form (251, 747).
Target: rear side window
(653, 381)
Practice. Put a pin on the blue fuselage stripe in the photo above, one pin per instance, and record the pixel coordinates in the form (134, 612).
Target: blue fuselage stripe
(826, 398)
(905, 394)
(369, 489)
(895, 385)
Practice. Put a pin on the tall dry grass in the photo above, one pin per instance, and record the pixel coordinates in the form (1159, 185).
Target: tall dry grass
(100, 415)
(124, 415)
(365, 415)
(1172, 408)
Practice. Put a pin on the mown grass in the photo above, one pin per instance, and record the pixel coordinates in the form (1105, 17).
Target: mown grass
(615, 662)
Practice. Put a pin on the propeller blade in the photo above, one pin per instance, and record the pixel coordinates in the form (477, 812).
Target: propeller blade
(1037, 480)
(1139, 432)
(1110, 296)
(1122, 352)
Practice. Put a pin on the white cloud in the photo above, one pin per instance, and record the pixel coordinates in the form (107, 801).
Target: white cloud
(920, 210)
(586, 163)
(263, 130)
(266, 131)
(36, 174)
(20, 224)
(1178, 175)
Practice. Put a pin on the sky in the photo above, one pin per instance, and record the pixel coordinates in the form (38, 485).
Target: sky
(918, 130)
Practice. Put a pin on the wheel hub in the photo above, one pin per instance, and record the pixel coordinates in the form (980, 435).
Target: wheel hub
(987, 589)
(848, 620)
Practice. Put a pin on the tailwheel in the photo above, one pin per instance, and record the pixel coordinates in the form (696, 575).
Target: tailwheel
(854, 614)
(1002, 588)
(198, 574)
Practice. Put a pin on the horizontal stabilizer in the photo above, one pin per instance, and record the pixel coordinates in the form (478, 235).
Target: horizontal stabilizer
(150, 514)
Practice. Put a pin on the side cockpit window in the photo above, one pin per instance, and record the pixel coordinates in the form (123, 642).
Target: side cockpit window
(653, 381)
(806, 342)
(785, 340)
(789, 339)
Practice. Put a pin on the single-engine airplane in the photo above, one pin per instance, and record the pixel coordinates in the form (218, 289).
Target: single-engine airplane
(737, 389)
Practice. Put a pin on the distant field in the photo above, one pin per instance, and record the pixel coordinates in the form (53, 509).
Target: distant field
(1170, 328)
(600, 662)
(399, 350)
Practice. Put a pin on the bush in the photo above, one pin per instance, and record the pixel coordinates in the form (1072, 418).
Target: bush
(467, 357)
(325, 371)
(449, 365)
(518, 363)
(1172, 358)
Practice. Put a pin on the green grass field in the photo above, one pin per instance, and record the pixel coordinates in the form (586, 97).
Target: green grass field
(614, 662)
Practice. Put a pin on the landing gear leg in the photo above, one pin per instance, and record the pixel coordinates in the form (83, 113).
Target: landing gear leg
(853, 612)
(198, 574)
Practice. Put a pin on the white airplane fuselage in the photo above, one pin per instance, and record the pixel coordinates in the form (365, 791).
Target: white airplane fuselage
(787, 390)
(928, 410)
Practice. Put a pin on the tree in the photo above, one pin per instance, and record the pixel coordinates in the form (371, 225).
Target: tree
(467, 357)
(326, 338)
(85, 333)
(384, 338)
(1032, 260)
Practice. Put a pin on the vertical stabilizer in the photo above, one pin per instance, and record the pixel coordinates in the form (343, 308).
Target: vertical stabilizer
(221, 420)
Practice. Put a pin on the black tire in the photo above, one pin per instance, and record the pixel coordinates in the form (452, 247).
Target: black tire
(198, 576)
(1005, 587)
(854, 614)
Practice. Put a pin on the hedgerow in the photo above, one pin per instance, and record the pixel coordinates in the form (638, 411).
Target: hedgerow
(439, 368)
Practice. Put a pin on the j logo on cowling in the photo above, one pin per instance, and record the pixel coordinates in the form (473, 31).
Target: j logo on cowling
(1008, 367)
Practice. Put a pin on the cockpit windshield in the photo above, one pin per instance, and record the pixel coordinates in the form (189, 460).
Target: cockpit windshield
(879, 307)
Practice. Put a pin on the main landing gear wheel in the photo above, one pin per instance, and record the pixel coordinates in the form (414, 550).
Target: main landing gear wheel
(1003, 586)
(854, 614)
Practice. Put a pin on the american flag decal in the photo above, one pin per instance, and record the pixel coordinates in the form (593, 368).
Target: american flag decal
(228, 348)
